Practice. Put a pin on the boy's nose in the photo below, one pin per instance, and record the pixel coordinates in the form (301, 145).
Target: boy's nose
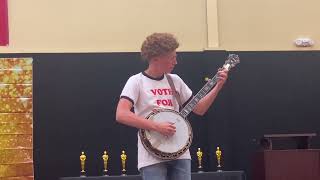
(175, 61)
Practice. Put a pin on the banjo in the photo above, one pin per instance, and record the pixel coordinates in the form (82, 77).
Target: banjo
(172, 147)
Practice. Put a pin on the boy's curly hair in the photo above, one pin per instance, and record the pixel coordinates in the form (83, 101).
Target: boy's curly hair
(158, 44)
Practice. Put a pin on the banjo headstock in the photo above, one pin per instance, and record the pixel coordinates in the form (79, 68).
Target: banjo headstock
(231, 61)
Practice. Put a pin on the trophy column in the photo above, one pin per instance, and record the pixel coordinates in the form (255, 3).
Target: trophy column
(82, 164)
(123, 163)
(219, 154)
(199, 155)
(105, 158)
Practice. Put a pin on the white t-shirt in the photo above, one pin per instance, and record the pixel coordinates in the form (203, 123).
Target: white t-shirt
(146, 94)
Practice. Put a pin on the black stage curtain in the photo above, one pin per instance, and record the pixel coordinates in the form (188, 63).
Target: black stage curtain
(75, 97)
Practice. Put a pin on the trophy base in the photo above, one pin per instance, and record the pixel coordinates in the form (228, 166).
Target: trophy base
(123, 173)
(200, 170)
(105, 173)
(219, 168)
(83, 174)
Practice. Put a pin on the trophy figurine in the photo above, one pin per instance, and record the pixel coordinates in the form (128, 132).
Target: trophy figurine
(105, 158)
(218, 154)
(123, 162)
(82, 163)
(199, 154)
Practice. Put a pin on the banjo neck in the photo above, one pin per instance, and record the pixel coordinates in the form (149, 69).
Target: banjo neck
(231, 61)
(194, 101)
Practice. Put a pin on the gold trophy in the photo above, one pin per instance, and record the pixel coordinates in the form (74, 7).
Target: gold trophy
(123, 162)
(199, 154)
(218, 154)
(105, 158)
(82, 163)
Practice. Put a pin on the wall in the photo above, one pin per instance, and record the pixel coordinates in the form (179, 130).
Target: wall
(121, 26)
(102, 26)
(267, 25)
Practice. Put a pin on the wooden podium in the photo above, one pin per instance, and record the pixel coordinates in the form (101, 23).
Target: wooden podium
(299, 163)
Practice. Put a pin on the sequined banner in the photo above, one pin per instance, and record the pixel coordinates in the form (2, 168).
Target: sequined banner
(15, 105)
(16, 63)
(16, 156)
(16, 119)
(18, 178)
(15, 90)
(14, 170)
(16, 128)
(16, 140)
(16, 76)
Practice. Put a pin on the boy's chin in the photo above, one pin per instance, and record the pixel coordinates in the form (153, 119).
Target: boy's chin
(169, 71)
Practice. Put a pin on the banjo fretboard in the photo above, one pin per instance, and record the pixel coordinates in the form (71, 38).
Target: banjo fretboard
(194, 101)
(232, 60)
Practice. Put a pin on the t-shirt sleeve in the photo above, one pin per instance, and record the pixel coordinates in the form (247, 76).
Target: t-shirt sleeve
(131, 90)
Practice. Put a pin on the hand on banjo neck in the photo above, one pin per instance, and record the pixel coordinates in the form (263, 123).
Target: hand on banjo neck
(222, 76)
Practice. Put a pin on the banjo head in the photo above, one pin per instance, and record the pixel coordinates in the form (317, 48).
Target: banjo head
(167, 147)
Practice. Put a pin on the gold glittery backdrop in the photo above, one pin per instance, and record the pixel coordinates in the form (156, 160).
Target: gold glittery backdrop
(16, 120)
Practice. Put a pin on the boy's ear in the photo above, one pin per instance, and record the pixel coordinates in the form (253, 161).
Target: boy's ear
(155, 59)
